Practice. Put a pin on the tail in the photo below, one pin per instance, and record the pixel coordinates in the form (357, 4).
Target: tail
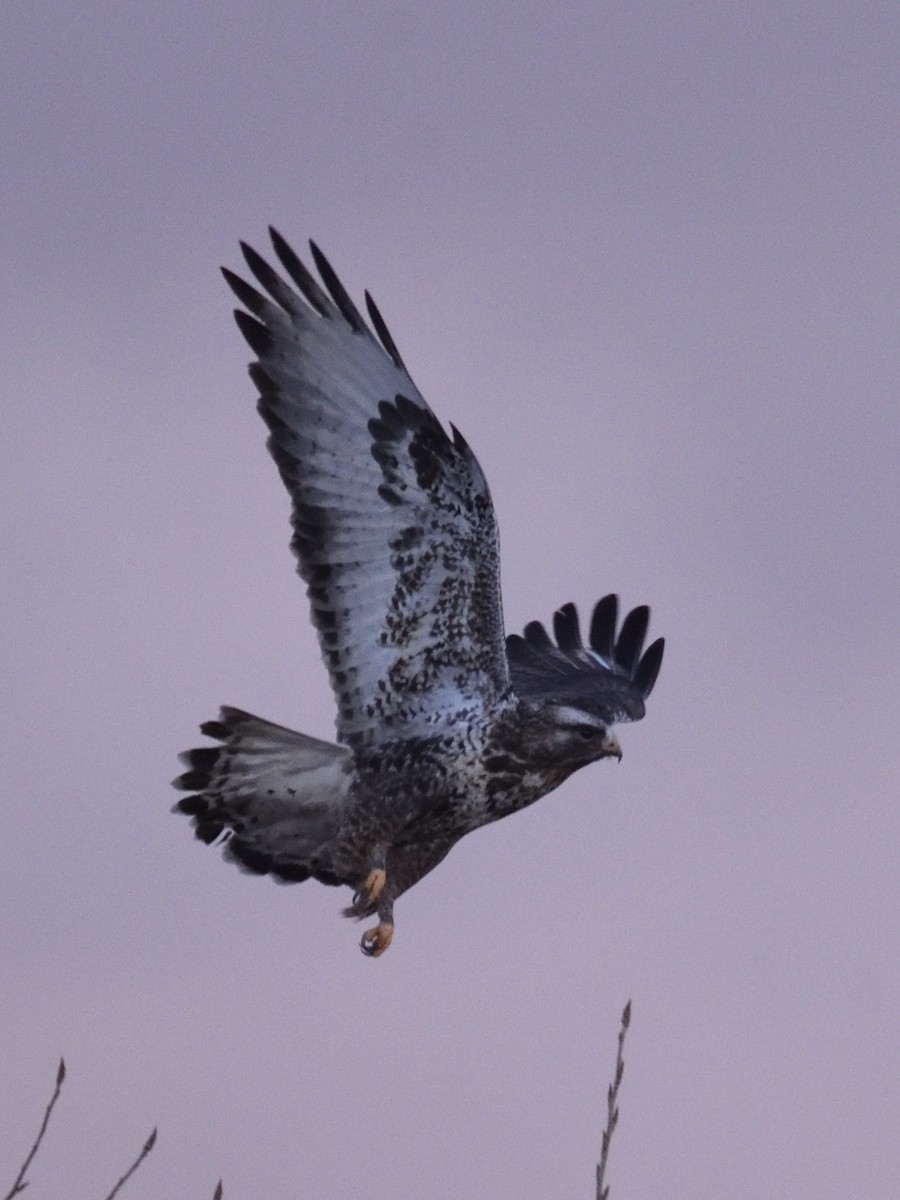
(277, 796)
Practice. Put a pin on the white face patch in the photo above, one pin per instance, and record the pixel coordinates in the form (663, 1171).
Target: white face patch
(568, 716)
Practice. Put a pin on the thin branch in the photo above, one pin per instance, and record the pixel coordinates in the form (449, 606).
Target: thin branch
(612, 1106)
(21, 1183)
(217, 1195)
(147, 1147)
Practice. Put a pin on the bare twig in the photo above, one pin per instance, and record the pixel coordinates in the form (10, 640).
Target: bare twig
(217, 1194)
(21, 1182)
(612, 1106)
(147, 1147)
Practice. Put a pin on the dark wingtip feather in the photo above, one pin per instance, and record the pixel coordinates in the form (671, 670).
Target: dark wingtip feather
(258, 337)
(300, 275)
(339, 293)
(566, 630)
(536, 635)
(254, 260)
(384, 334)
(264, 383)
(276, 287)
(245, 292)
(613, 681)
(648, 667)
(256, 263)
(603, 626)
(630, 641)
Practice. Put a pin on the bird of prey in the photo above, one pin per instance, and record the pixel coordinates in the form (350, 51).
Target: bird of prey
(443, 723)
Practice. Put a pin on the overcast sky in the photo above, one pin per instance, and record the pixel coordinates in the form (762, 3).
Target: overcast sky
(645, 256)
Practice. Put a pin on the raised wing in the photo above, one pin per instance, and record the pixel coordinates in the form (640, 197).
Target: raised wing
(394, 530)
(613, 675)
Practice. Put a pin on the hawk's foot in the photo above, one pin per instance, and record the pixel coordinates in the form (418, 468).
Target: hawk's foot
(375, 941)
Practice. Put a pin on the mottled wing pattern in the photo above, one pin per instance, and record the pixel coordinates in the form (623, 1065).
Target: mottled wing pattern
(613, 674)
(394, 530)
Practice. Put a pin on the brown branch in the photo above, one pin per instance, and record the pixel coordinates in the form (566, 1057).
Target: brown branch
(147, 1147)
(21, 1182)
(612, 1106)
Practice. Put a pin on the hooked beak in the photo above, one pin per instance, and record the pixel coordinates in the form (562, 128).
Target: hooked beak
(611, 748)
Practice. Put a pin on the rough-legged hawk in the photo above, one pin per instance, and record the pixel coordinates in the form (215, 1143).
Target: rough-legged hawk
(443, 723)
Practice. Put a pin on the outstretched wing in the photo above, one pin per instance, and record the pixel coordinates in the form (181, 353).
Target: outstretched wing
(613, 675)
(394, 530)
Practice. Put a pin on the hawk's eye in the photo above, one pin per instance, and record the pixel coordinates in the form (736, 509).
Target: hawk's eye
(586, 732)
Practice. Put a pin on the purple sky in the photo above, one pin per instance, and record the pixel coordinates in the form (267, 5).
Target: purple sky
(645, 256)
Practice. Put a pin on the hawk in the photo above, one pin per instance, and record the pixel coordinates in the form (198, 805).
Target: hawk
(443, 723)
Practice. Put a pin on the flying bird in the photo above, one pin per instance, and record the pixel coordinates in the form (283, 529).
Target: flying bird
(444, 724)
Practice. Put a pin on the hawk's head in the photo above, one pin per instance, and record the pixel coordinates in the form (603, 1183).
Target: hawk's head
(570, 695)
(561, 736)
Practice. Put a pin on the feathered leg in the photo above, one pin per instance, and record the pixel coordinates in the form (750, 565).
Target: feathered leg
(391, 873)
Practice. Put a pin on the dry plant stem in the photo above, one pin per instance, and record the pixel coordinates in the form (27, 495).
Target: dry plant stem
(612, 1105)
(147, 1147)
(21, 1183)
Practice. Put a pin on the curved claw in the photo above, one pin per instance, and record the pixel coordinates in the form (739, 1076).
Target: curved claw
(374, 942)
(369, 892)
